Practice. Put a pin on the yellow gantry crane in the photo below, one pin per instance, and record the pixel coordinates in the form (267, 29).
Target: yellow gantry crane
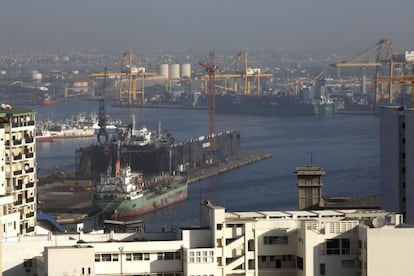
(383, 53)
(243, 74)
(381, 80)
(128, 78)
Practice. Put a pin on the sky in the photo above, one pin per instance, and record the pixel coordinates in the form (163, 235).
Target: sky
(204, 24)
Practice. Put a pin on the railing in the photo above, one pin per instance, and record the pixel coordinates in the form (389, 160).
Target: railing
(29, 140)
(29, 155)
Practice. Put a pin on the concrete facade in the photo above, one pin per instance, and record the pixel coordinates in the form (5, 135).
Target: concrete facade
(396, 159)
(19, 146)
(323, 242)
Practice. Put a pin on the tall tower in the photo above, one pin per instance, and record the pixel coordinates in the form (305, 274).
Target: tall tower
(309, 183)
(20, 163)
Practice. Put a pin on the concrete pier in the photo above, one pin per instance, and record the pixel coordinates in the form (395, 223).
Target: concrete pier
(233, 162)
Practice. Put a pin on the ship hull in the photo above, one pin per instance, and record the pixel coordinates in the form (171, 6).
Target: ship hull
(267, 106)
(147, 203)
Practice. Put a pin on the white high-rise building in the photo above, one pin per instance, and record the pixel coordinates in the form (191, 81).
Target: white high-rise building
(18, 168)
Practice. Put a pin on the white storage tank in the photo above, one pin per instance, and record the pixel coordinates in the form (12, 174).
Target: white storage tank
(174, 71)
(186, 70)
(164, 70)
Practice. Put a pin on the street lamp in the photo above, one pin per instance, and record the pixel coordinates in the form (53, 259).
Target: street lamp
(121, 251)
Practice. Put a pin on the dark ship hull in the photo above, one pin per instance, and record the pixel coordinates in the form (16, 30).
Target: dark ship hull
(156, 159)
(267, 105)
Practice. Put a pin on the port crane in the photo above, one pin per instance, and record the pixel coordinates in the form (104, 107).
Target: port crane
(211, 69)
(383, 53)
(241, 69)
(381, 80)
(128, 76)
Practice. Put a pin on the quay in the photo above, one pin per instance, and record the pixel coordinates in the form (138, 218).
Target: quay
(231, 163)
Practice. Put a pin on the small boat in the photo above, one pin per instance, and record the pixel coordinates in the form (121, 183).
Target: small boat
(48, 100)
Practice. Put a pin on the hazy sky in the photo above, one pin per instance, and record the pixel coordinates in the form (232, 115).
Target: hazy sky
(207, 24)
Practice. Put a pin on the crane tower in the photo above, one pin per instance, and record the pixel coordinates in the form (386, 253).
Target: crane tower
(211, 69)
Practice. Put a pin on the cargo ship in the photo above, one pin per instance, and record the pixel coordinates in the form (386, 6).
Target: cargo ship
(272, 105)
(126, 193)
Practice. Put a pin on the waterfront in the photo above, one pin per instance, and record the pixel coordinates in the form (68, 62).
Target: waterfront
(346, 146)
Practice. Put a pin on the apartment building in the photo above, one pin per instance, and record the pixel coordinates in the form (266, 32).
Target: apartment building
(285, 243)
(396, 160)
(18, 169)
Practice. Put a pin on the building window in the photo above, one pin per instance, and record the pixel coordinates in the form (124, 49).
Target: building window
(97, 258)
(278, 263)
(169, 255)
(322, 269)
(333, 247)
(146, 256)
(137, 256)
(106, 257)
(128, 256)
(219, 226)
(115, 257)
(345, 246)
(275, 240)
(299, 261)
(160, 256)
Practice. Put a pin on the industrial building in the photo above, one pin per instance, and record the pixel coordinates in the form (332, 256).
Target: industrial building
(323, 242)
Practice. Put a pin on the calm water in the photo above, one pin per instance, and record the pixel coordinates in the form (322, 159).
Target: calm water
(346, 146)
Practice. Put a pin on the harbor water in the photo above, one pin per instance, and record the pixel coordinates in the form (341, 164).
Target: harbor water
(345, 146)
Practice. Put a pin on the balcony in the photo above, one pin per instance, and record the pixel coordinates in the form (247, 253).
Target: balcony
(29, 170)
(30, 200)
(29, 140)
(30, 185)
(18, 202)
(18, 187)
(17, 142)
(29, 155)
(17, 172)
(18, 157)
(30, 215)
